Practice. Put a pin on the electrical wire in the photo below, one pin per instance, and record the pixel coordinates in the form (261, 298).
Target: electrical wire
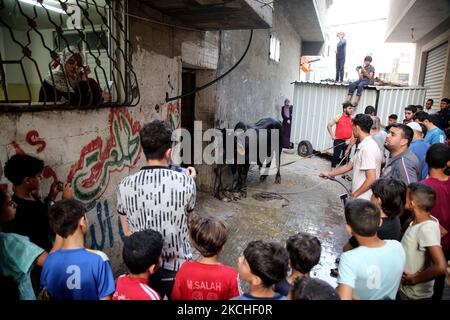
(215, 80)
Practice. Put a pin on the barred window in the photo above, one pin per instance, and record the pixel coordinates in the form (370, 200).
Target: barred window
(65, 54)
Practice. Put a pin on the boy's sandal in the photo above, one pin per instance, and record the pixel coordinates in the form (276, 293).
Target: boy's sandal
(334, 272)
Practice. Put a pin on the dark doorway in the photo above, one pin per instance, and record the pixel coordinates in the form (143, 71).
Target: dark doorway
(188, 106)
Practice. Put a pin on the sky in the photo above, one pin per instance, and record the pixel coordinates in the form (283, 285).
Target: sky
(364, 23)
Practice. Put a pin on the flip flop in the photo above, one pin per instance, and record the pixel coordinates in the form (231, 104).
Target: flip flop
(334, 272)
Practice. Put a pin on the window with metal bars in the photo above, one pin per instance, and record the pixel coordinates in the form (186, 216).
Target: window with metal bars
(65, 54)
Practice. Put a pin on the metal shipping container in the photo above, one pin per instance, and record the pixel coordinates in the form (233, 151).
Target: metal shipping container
(316, 103)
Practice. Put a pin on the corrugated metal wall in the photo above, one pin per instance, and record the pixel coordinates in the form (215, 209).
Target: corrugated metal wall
(316, 103)
(314, 106)
(435, 71)
(394, 100)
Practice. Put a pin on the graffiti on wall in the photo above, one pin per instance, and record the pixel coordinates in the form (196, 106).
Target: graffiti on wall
(35, 145)
(90, 175)
(103, 220)
(173, 114)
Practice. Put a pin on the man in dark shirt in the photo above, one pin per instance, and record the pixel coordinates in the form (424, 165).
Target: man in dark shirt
(31, 220)
(340, 57)
(389, 195)
(444, 114)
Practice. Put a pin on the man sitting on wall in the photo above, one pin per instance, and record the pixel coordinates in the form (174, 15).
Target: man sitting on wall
(366, 75)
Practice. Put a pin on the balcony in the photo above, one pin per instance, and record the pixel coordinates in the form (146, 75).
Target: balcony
(217, 14)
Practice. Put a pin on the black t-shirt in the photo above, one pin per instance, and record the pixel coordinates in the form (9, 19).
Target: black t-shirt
(32, 221)
(283, 287)
(389, 230)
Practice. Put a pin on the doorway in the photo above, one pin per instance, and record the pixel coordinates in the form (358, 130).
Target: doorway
(188, 107)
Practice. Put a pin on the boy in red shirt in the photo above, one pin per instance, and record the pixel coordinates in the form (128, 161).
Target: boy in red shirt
(438, 159)
(141, 254)
(206, 279)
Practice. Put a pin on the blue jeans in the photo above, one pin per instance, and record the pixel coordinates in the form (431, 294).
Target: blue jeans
(340, 62)
(360, 85)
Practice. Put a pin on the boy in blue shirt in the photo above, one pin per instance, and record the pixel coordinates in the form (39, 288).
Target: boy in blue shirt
(374, 269)
(74, 272)
(263, 264)
(434, 134)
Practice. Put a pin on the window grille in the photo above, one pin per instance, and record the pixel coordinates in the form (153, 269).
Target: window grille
(35, 34)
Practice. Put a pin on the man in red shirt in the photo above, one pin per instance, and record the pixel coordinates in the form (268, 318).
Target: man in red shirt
(438, 159)
(141, 254)
(342, 134)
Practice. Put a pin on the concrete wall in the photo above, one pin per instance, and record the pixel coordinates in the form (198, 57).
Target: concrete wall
(435, 38)
(258, 86)
(397, 9)
(95, 149)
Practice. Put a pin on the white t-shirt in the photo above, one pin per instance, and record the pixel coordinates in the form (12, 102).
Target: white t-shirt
(160, 199)
(415, 242)
(367, 156)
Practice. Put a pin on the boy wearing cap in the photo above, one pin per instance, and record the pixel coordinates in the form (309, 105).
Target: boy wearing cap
(419, 147)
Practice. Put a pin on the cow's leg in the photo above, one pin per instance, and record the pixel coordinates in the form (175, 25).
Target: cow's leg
(278, 176)
(243, 190)
(217, 183)
(263, 176)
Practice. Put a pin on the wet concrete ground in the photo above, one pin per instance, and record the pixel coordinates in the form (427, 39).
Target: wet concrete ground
(308, 203)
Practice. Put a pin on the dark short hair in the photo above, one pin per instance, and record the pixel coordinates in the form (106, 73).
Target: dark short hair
(447, 100)
(432, 101)
(437, 156)
(424, 129)
(364, 121)
(208, 235)
(420, 115)
(434, 119)
(424, 196)
(65, 215)
(419, 107)
(363, 217)
(268, 260)
(412, 108)
(156, 138)
(407, 132)
(347, 104)
(3, 197)
(369, 110)
(141, 250)
(393, 116)
(368, 58)
(392, 193)
(21, 166)
(304, 251)
(306, 288)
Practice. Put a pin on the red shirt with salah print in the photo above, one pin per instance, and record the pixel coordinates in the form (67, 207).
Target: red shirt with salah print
(200, 281)
(128, 288)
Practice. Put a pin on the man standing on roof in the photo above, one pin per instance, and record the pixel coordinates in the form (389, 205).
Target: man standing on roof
(340, 57)
(366, 75)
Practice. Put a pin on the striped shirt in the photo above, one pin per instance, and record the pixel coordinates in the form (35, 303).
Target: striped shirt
(404, 167)
(160, 199)
(129, 288)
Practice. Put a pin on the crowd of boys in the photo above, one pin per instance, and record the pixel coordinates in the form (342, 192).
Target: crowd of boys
(398, 249)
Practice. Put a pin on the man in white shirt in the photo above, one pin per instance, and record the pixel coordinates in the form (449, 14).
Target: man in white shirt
(429, 107)
(366, 163)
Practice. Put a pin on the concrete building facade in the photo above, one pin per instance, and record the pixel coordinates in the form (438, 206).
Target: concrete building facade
(427, 24)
